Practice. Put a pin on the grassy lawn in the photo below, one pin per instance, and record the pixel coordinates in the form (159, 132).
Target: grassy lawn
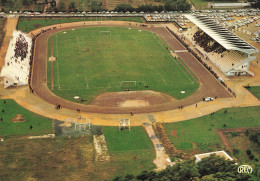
(255, 91)
(241, 142)
(47, 159)
(73, 158)
(200, 4)
(202, 131)
(132, 151)
(10, 109)
(92, 61)
(29, 24)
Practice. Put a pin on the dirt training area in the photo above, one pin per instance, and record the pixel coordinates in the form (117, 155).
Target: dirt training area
(209, 86)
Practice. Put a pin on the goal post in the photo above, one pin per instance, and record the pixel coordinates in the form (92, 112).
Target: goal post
(105, 33)
(82, 123)
(128, 84)
(124, 123)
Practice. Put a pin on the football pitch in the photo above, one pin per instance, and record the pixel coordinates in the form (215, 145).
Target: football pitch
(94, 60)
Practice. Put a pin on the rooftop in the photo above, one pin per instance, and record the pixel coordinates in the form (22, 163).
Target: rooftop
(221, 35)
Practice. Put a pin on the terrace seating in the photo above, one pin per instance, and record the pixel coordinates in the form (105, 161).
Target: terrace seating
(228, 60)
(207, 43)
(225, 60)
(17, 61)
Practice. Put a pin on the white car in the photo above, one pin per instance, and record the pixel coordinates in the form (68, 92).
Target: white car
(221, 80)
(207, 99)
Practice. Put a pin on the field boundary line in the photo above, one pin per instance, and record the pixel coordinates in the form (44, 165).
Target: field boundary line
(188, 69)
(58, 73)
(157, 40)
(77, 40)
(163, 79)
(86, 79)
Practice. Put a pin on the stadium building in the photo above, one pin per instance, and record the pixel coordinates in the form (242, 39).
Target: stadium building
(229, 53)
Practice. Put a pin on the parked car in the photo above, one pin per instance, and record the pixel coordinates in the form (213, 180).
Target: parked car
(207, 99)
(220, 80)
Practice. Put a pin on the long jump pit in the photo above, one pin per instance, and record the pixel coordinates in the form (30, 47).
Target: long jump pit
(130, 101)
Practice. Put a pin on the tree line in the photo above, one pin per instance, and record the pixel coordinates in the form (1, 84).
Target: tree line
(169, 5)
(97, 6)
(212, 168)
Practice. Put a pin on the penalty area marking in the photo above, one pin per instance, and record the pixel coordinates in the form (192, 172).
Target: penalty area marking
(163, 79)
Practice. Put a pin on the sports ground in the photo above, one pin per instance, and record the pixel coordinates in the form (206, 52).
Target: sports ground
(125, 66)
(91, 61)
(73, 156)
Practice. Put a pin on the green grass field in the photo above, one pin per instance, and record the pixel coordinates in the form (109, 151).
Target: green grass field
(91, 61)
(202, 131)
(10, 109)
(200, 4)
(29, 24)
(241, 143)
(255, 90)
(133, 148)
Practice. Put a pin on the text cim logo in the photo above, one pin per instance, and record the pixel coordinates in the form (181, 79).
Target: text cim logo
(245, 169)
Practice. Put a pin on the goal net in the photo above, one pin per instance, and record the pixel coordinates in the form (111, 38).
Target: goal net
(128, 84)
(124, 123)
(106, 33)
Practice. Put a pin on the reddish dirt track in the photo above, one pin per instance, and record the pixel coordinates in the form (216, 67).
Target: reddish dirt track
(209, 86)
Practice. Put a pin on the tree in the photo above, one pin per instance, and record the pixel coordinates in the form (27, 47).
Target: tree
(212, 168)
(95, 6)
(72, 6)
(25, 2)
(214, 164)
(254, 137)
(256, 5)
(181, 171)
(124, 8)
(220, 168)
(61, 6)
(3, 2)
(209, 178)
(53, 3)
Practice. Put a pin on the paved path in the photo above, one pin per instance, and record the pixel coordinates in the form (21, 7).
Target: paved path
(161, 157)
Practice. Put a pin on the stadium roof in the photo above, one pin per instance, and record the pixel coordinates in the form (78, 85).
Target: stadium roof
(221, 35)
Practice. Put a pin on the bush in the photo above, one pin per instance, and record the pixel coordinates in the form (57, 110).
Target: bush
(248, 152)
(234, 134)
(252, 156)
(247, 132)
(256, 159)
(236, 151)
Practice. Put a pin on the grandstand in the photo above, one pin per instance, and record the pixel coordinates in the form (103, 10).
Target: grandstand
(228, 52)
(17, 60)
